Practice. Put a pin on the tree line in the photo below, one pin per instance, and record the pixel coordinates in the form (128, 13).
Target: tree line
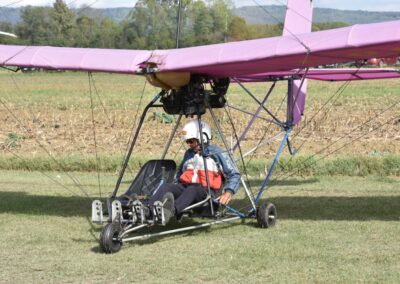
(151, 24)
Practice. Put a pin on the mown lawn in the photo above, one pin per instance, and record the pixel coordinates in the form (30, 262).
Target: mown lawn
(330, 229)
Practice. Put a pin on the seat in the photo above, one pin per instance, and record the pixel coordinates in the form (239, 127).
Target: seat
(152, 174)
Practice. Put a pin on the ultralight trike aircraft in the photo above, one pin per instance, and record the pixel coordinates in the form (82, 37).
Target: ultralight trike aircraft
(194, 81)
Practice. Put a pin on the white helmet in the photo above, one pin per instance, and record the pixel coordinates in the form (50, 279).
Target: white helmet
(191, 130)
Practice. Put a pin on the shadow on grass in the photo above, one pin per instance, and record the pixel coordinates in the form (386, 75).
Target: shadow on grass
(384, 208)
(171, 226)
(22, 203)
(380, 208)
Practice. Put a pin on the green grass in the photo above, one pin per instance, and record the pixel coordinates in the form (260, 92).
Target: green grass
(303, 165)
(330, 229)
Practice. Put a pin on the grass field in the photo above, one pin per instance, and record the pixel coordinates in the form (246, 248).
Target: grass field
(330, 229)
(336, 228)
(55, 109)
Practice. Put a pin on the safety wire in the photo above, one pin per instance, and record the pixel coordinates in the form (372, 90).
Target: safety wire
(266, 130)
(94, 132)
(304, 165)
(132, 131)
(106, 114)
(76, 182)
(332, 98)
(42, 172)
(227, 111)
(59, 164)
(294, 11)
(308, 49)
(20, 91)
(12, 3)
(86, 7)
(345, 145)
(279, 22)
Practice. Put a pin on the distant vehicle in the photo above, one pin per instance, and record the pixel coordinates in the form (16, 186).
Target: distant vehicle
(387, 61)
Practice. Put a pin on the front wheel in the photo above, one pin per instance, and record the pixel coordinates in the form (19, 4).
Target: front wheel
(109, 238)
(266, 215)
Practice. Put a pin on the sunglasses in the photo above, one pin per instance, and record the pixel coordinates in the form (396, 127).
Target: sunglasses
(190, 141)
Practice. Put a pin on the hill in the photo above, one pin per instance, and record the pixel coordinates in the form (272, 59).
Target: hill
(13, 15)
(273, 14)
(270, 14)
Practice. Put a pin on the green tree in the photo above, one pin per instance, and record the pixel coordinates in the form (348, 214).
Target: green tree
(62, 22)
(107, 33)
(238, 29)
(34, 28)
(85, 32)
(148, 26)
(222, 15)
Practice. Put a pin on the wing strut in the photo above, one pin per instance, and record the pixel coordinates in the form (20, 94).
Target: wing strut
(121, 174)
(275, 119)
(261, 105)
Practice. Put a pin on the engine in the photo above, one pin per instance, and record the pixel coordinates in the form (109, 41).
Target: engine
(194, 98)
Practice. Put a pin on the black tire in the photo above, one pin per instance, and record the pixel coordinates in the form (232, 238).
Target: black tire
(266, 215)
(108, 244)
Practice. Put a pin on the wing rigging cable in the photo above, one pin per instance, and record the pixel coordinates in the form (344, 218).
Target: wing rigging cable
(267, 129)
(285, 28)
(286, 176)
(27, 130)
(92, 84)
(58, 163)
(94, 132)
(227, 111)
(12, 3)
(275, 119)
(42, 172)
(334, 97)
(336, 150)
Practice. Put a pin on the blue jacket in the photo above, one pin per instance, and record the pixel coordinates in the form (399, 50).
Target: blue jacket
(231, 174)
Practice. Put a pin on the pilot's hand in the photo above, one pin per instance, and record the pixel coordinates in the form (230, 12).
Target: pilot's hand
(225, 198)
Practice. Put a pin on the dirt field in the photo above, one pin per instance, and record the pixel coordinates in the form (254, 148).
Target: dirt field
(53, 111)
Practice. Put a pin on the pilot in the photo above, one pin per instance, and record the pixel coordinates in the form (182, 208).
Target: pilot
(191, 183)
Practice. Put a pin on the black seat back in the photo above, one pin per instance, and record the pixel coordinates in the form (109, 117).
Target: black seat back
(150, 175)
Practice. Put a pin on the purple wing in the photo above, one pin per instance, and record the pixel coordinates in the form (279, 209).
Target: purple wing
(284, 53)
(78, 59)
(336, 74)
(229, 59)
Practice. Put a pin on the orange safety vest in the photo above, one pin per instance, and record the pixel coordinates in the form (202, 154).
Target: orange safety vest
(194, 172)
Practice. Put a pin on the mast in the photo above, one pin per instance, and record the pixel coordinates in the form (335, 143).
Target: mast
(178, 23)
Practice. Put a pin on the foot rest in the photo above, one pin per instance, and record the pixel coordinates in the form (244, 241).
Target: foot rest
(158, 212)
(139, 211)
(97, 212)
(116, 210)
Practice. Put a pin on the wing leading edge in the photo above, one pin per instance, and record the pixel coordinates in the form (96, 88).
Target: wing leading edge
(258, 56)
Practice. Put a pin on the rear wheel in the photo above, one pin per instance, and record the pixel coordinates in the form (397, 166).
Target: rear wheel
(266, 215)
(109, 238)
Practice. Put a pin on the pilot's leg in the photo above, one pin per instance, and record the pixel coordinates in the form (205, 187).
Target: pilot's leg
(190, 195)
(174, 188)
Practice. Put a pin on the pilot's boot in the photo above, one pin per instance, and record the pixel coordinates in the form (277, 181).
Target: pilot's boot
(163, 211)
